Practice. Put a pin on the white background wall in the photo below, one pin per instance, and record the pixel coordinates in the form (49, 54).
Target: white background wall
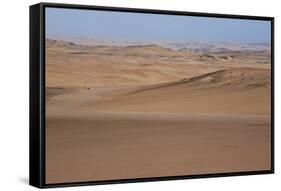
(14, 87)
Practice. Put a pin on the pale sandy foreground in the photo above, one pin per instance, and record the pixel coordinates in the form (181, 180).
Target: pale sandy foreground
(147, 111)
(121, 147)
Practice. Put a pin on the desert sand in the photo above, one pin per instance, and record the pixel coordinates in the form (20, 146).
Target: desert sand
(136, 111)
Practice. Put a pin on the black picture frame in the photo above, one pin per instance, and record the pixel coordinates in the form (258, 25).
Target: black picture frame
(37, 95)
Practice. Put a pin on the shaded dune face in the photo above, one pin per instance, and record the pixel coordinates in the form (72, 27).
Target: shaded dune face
(237, 78)
(115, 112)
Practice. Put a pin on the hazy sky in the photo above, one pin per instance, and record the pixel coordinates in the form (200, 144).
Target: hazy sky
(105, 25)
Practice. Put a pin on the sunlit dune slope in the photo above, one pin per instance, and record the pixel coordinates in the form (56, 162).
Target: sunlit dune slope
(231, 91)
(236, 91)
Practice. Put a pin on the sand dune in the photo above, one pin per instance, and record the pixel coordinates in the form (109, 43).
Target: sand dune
(232, 91)
(80, 65)
(135, 111)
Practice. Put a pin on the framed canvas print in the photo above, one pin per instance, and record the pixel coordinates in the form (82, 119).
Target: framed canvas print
(127, 95)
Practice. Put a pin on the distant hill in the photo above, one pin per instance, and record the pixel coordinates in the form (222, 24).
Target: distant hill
(72, 64)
